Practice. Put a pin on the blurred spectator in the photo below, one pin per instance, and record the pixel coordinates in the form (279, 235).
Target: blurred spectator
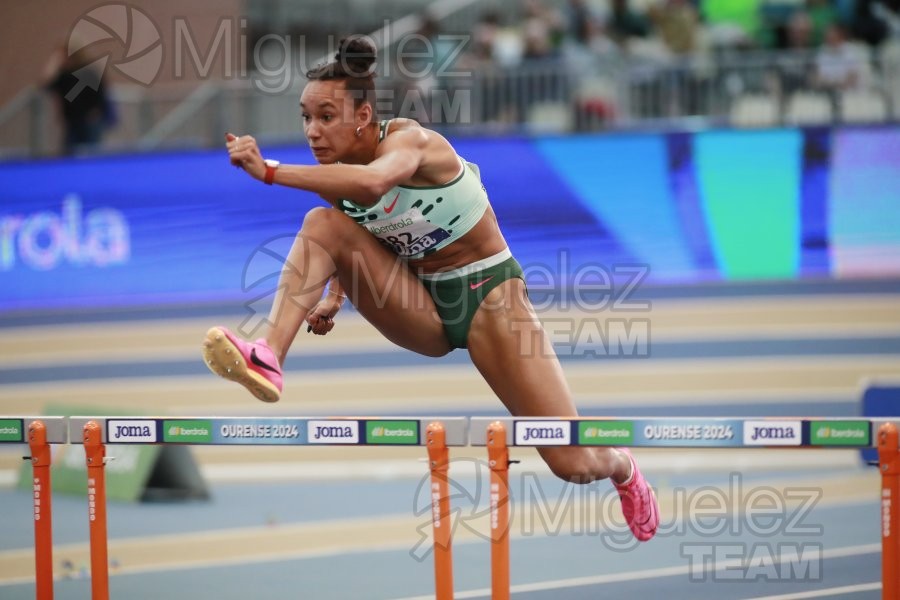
(800, 30)
(677, 23)
(425, 57)
(492, 47)
(623, 23)
(437, 49)
(838, 64)
(585, 29)
(581, 22)
(494, 44)
(540, 30)
(794, 67)
(542, 34)
(484, 37)
(84, 104)
(430, 54)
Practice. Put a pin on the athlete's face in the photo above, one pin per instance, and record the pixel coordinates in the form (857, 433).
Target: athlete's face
(330, 119)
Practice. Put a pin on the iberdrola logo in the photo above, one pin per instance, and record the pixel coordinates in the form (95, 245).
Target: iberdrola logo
(188, 431)
(141, 50)
(399, 432)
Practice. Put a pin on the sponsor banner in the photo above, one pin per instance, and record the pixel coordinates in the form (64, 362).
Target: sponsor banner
(688, 433)
(188, 432)
(840, 433)
(131, 431)
(543, 433)
(259, 431)
(773, 433)
(333, 432)
(605, 433)
(392, 432)
(12, 430)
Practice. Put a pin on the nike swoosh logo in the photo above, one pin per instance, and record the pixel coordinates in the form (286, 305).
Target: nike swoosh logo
(475, 286)
(256, 361)
(390, 209)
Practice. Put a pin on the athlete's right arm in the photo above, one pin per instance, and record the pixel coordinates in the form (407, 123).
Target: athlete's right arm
(397, 160)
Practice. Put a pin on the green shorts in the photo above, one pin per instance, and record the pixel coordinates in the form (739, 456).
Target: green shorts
(458, 298)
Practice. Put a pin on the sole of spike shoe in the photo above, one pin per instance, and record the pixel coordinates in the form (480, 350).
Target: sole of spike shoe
(219, 352)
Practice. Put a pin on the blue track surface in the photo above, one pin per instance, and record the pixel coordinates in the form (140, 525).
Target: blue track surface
(566, 564)
(553, 556)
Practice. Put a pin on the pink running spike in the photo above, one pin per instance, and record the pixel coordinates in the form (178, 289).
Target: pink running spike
(251, 364)
(638, 503)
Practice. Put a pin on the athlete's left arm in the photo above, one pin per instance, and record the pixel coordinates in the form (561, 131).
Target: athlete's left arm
(397, 158)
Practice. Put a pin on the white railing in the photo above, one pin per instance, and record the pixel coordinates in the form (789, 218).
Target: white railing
(551, 95)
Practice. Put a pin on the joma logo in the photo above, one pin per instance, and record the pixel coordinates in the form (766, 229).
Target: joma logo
(543, 433)
(132, 431)
(772, 433)
(768, 433)
(333, 432)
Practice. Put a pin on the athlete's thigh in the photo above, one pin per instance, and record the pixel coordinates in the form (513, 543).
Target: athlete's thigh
(509, 347)
(389, 295)
(512, 351)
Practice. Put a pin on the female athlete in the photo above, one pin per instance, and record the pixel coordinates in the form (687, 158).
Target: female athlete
(411, 239)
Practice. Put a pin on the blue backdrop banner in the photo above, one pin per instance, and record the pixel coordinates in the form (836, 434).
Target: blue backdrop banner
(582, 210)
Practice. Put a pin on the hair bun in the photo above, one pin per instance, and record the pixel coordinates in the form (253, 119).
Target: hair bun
(357, 55)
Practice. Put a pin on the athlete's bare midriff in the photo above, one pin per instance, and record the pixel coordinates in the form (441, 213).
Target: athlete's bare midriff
(482, 241)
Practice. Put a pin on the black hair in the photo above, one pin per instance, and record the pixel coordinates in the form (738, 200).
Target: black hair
(353, 63)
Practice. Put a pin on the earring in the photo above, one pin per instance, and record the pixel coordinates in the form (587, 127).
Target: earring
(359, 131)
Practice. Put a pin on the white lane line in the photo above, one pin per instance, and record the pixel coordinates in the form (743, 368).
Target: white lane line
(837, 591)
(654, 573)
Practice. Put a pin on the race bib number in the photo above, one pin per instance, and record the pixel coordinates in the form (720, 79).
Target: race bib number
(407, 234)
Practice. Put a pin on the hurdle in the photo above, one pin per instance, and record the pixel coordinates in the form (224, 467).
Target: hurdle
(889, 466)
(498, 433)
(95, 459)
(38, 433)
(439, 465)
(436, 433)
(498, 462)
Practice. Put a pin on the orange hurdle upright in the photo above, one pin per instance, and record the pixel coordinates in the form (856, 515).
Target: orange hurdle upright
(889, 466)
(439, 461)
(43, 523)
(95, 455)
(498, 460)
